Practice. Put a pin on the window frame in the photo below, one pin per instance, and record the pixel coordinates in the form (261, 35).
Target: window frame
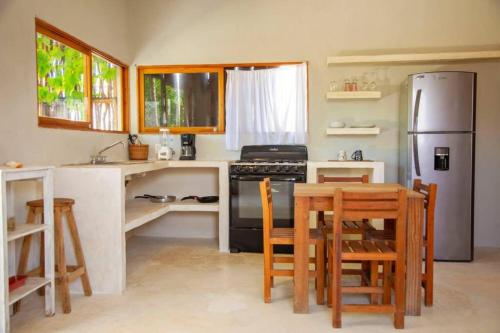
(57, 34)
(166, 69)
(220, 68)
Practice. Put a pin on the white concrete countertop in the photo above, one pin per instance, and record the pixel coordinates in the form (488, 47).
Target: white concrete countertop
(135, 167)
(105, 211)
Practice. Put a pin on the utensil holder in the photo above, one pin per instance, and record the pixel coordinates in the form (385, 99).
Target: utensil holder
(138, 152)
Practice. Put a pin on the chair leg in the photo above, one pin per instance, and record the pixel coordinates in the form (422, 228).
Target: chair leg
(267, 273)
(429, 273)
(77, 246)
(399, 291)
(374, 280)
(387, 282)
(320, 273)
(330, 275)
(336, 286)
(61, 262)
(272, 264)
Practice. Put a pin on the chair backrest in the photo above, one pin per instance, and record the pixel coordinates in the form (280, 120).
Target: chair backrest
(365, 205)
(430, 192)
(267, 206)
(361, 179)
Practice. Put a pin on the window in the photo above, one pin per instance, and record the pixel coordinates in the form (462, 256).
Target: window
(184, 99)
(266, 106)
(78, 86)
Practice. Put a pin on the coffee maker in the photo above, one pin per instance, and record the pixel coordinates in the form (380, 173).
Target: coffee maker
(188, 149)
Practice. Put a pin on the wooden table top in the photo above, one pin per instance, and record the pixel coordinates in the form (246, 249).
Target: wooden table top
(327, 189)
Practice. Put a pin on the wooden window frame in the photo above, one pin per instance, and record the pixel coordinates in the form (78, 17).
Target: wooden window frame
(57, 34)
(163, 69)
(219, 68)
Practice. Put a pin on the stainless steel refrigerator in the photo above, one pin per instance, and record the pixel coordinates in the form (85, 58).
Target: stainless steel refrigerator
(437, 138)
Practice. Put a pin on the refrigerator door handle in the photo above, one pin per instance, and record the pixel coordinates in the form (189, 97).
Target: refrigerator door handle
(415, 154)
(415, 111)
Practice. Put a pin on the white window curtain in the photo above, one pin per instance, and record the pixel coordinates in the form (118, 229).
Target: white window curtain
(266, 106)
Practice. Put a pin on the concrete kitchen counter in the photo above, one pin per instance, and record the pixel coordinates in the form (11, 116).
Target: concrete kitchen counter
(374, 169)
(105, 209)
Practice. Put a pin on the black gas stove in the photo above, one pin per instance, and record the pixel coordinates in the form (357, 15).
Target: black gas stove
(285, 165)
(271, 160)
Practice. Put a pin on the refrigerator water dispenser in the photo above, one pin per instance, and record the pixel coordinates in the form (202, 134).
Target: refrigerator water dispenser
(441, 158)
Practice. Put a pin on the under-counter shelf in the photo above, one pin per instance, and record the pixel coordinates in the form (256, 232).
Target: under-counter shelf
(31, 284)
(353, 131)
(139, 212)
(25, 230)
(341, 95)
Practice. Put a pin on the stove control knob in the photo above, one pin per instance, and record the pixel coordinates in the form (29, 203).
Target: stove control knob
(294, 168)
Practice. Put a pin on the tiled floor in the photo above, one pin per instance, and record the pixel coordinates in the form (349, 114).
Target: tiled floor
(188, 286)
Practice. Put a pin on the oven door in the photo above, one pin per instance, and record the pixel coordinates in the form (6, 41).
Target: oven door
(246, 206)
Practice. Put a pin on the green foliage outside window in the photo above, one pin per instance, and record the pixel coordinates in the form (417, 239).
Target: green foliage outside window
(60, 71)
(163, 103)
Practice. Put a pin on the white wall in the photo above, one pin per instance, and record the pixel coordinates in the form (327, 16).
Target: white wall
(228, 31)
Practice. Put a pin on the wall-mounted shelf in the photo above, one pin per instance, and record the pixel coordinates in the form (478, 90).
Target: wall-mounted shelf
(342, 95)
(414, 57)
(353, 131)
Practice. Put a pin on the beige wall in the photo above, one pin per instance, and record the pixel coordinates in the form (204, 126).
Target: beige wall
(225, 31)
(102, 24)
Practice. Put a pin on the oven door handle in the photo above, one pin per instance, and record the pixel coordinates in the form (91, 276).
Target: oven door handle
(260, 178)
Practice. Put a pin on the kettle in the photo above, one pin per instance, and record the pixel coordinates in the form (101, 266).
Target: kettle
(357, 155)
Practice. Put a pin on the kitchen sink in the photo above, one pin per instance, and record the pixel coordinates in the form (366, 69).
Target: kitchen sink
(129, 162)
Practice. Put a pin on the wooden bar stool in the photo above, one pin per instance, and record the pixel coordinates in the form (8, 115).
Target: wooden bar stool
(65, 274)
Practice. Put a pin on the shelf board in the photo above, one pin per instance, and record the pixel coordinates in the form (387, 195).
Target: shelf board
(32, 284)
(25, 230)
(353, 131)
(353, 95)
(139, 212)
(414, 57)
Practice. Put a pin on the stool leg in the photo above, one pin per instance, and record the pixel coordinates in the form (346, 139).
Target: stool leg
(77, 246)
(25, 253)
(61, 261)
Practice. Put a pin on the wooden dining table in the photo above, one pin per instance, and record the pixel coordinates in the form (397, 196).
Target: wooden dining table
(319, 197)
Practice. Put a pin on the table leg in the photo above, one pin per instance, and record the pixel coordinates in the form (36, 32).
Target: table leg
(414, 242)
(301, 256)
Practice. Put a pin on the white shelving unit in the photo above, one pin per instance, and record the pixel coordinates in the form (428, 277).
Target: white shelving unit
(45, 174)
(353, 131)
(343, 95)
(409, 58)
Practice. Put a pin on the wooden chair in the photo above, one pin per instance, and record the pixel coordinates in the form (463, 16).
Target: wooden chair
(65, 274)
(368, 205)
(348, 227)
(285, 236)
(430, 193)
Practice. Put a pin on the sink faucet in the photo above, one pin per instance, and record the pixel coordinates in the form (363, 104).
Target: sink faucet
(99, 158)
